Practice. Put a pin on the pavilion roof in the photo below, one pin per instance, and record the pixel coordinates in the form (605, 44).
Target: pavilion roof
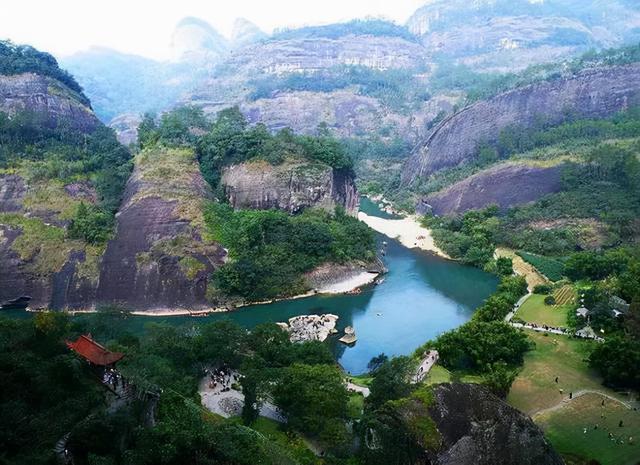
(94, 352)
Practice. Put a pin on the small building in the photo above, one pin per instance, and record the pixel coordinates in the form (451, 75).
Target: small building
(583, 312)
(93, 352)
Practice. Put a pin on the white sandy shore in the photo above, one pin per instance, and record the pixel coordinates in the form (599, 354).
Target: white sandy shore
(407, 230)
(348, 284)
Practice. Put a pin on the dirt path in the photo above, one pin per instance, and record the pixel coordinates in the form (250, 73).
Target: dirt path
(522, 268)
(578, 394)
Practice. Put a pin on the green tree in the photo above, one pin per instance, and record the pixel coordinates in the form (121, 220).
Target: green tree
(313, 397)
(498, 378)
(391, 381)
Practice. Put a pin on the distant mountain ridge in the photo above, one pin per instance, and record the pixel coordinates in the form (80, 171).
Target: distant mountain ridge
(486, 36)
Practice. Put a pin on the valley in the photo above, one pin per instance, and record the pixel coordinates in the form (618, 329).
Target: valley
(369, 242)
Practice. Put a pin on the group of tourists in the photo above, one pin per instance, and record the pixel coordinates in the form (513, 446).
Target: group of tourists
(221, 379)
(113, 379)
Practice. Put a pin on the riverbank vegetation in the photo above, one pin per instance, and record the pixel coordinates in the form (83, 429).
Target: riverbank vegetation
(271, 250)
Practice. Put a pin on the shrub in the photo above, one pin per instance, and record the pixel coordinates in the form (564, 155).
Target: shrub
(542, 289)
(549, 300)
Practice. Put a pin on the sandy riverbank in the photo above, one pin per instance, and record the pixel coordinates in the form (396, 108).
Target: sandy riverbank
(407, 230)
(349, 284)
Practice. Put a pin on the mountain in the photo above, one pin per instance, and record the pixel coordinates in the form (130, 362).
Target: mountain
(120, 83)
(592, 93)
(499, 35)
(363, 78)
(195, 40)
(245, 32)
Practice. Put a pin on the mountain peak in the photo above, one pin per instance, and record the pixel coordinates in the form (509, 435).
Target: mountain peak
(195, 38)
(245, 32)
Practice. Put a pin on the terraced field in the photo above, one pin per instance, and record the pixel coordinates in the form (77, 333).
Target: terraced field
(565, 295)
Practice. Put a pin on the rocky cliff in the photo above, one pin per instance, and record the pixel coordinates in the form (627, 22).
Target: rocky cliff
(507, 35)
(50, 100)
(477, 428)
(291, 186)
(159, 258)
(37, 258)
(594, 93)
(505, 185)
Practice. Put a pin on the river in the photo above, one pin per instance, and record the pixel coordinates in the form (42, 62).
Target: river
(422, 296)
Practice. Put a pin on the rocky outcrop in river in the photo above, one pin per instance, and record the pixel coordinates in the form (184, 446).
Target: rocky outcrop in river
(290, 186)
(593, 93)
(310, 327)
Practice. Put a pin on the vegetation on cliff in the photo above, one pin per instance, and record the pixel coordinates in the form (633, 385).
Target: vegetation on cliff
(230, 139)
(271, 250)
(17, 59)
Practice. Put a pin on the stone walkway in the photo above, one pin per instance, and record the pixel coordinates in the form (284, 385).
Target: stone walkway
(229, 403)
(558, 331)
(430, 359)
(355, 388)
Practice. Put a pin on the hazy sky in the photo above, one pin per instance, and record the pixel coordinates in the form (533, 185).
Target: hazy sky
(144, 27)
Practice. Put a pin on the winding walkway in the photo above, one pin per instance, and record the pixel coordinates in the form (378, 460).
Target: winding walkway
(578, 394)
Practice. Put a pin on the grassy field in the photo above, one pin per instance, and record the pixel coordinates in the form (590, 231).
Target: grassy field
(565, 429)
(534, 310)
(535, 388)
(291, 442)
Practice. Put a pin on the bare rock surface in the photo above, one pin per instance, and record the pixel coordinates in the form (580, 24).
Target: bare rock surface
(504, 185)
(593, 93)
(12, 191)
(53, 102)
(310, 327)
(291, 186)
(158, 259)
(477, 428)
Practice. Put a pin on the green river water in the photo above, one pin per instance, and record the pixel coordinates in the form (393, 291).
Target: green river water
(421, 296)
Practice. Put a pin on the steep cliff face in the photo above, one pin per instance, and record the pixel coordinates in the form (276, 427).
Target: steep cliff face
(291, 186)
(594, 93)
(37, 257)
(51, 101)
(347, 113)
(504, 185)
(477, 428)
(313, 54)
(158, 258)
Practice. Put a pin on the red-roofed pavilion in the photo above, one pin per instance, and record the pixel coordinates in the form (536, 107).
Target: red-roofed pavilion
(90, 350)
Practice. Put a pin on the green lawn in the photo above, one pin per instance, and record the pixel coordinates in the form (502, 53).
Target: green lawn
(355, 405)
(565, 429)
(361, 380)
(535, 387)
(535, 390)
(534, 310)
